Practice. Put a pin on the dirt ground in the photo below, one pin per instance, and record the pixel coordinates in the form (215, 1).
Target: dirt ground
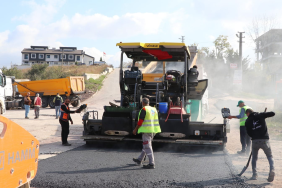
(234, 145)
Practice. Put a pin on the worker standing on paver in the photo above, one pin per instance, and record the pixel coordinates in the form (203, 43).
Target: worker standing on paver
(27, 103)
(257, 130)
(58, 100)
(148, 125)
(37, 105)
(244, 137)
(64, 121)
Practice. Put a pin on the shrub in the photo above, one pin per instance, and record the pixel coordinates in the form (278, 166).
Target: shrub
(14, 71)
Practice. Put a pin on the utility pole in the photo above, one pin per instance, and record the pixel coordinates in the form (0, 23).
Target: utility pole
(182, 39)
(240, 36)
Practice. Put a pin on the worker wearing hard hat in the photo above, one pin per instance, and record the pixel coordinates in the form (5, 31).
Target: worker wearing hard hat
(148, 125)
(244, 138)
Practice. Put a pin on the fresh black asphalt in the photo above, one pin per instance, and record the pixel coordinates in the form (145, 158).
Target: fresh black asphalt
(111, 165)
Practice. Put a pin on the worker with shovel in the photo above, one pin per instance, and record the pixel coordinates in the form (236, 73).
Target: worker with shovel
(257, 130)
(244, 138)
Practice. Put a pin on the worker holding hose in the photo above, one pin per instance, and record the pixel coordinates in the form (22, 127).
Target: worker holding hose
(64, 121)
(148, 125)
(257, 130)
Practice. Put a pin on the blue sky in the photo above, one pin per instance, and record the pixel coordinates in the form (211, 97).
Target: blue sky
(96, 26)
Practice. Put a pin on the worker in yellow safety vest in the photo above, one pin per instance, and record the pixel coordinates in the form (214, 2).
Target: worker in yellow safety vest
(148, 125)
(244, 137)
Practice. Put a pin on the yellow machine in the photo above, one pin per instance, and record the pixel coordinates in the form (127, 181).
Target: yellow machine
(18, 155)
(170, 82)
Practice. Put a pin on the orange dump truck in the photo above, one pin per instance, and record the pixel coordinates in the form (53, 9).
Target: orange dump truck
(70, 87)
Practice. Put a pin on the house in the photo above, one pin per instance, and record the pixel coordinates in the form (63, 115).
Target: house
(269, 52)
(61, 56)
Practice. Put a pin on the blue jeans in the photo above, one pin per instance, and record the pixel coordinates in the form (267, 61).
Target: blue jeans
(26, 107)
(58, 111)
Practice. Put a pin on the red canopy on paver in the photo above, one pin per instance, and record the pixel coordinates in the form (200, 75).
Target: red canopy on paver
(159, 54)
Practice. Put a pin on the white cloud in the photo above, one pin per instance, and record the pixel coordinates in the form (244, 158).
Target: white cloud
(98, 25)
(4, 37)
(38, 28)
(41, 13)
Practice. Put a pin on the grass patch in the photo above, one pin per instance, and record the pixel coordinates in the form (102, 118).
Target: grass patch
(45, 72)
(274, 126)
(94, 85)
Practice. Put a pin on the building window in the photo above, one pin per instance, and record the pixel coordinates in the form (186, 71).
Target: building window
(56, 56)
(41, 56)
(77, 58)
(70, 56)
(90, 62)
(47, 56)
(26, 62)
(33, 56)
(42, 62)
(63, 56)
(32, 62)
(25, 56)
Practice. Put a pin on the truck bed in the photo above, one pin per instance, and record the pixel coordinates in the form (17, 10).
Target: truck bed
(63, 86)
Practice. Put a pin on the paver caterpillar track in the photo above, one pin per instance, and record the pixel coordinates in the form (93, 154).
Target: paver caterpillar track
(168, 79)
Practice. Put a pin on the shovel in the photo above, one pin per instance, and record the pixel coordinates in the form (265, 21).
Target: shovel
(247, 165)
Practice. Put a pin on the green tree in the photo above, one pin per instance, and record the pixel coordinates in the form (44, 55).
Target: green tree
(221, 45)
(14, 71)
(37, 72)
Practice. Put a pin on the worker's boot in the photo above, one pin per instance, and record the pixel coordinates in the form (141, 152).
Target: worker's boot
(271, 176)
(137, 161)
(149, 166)
(254, 177)
(67, 144)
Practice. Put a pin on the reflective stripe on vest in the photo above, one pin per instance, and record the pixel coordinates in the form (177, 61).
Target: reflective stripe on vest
(151, 121)
(64, 116)
(243, 119)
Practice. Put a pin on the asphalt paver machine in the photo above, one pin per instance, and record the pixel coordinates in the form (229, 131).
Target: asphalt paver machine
(169, 80)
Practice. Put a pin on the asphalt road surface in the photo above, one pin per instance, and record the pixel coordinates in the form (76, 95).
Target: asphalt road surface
(111, 165)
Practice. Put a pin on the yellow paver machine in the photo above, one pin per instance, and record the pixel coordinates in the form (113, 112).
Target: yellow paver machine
(168, 79)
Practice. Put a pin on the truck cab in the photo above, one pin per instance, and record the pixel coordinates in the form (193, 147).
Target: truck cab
(2, 92)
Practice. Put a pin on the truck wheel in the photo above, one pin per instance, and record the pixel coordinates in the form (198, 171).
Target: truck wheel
(44, 102)
(76, 103)
(51, 103)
